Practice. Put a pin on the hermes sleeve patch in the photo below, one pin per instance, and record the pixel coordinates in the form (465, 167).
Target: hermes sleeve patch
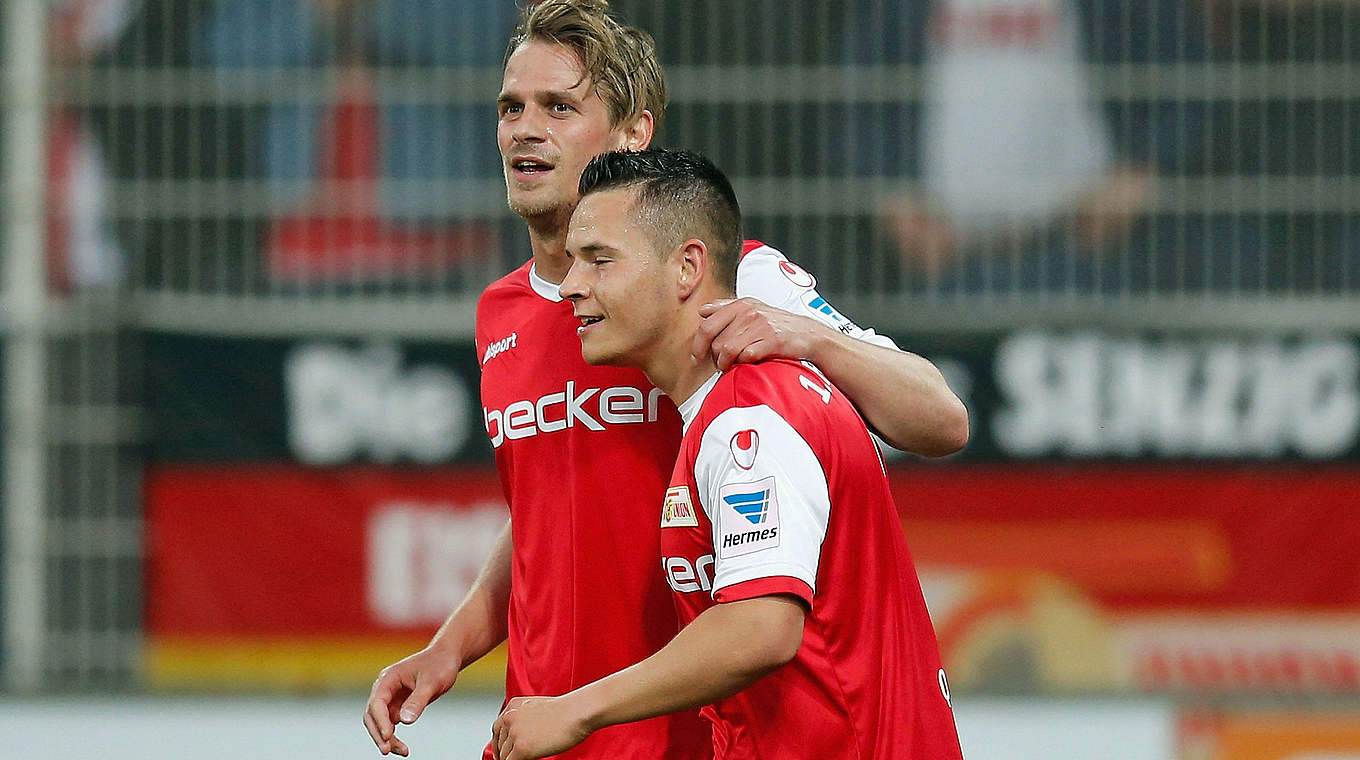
(748, 518)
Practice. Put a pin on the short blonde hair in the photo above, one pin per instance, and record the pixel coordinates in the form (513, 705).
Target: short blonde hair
(620, 60)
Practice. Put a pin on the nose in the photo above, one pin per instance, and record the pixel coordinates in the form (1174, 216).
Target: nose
(573, 287)
(529, 127)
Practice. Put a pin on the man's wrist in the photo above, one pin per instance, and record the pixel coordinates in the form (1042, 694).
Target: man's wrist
(447, 647)
(587, 708)
(821, 343)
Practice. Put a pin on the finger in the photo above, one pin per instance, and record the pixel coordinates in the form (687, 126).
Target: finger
(761, 349)
(378, 716)
(417, 702)
(399, 747)
(729, 346)
(709, 308)
(374, 733)
(711, 328)
(723, 354)
(497, 729)
(380, 700)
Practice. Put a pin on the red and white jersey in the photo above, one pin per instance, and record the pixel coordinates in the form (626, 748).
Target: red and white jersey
(779, 489)
(584, 454)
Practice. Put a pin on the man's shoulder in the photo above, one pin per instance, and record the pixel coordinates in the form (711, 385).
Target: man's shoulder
(503, 299)
(766, 274)
(514, 282)
(779, 384)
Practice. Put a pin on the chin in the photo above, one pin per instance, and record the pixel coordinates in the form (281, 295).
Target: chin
(596, 356)
(531, 205)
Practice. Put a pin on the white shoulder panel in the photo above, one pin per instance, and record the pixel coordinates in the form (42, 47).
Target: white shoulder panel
(766, 275)
(766, 495)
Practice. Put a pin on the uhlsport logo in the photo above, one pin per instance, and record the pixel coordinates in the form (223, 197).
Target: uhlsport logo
(748, 518)
(678, 509)
(744, 445)
(500, 347)
(797, 275)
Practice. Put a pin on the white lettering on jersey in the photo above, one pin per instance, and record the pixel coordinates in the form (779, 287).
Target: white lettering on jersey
(748, 517)
(685, 577)
(500, 347)
(555, 412)
(816, 388)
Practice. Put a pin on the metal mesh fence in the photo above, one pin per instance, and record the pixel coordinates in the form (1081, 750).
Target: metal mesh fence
(954, 154)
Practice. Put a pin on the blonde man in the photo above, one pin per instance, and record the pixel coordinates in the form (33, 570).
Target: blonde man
(584, 452)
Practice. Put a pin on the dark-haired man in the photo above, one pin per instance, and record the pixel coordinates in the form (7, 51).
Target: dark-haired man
(806, 635)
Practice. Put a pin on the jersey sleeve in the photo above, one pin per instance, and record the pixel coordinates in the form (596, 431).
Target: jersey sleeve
(766, 275)
(766, 496)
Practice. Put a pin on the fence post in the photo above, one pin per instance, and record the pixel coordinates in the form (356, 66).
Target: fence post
(25, 356)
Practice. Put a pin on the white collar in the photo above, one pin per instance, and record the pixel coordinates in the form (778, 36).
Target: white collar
(689, 409)
(542, 287)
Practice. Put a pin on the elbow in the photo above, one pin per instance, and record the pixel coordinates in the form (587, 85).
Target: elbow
(954, 430)
(777, 647)
(949, 432)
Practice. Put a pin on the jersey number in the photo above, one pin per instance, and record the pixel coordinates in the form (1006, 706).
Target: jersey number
(816, 388)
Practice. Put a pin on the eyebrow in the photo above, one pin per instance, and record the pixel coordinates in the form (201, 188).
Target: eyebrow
(548, 95)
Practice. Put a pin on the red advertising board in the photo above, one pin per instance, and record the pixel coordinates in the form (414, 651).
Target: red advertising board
(1054, 578)
(280, 575)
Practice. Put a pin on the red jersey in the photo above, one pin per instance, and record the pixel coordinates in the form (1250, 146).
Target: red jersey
(581, 452)
(584, 454)
(779, 489)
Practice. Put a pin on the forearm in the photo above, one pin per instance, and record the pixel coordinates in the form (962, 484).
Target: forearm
(902, 396)
(726, 649)
(479, 622)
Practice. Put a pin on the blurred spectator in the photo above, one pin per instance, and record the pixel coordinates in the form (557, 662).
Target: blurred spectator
(82, 250)
(1030, 180)
(350, 171)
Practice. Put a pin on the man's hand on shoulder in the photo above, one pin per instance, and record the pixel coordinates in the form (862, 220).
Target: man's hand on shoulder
(403, 690)
(747, 330)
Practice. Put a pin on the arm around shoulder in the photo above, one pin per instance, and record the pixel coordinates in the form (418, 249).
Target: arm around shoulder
(902, 396)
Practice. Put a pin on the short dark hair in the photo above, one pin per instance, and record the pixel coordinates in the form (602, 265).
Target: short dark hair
(681, 195)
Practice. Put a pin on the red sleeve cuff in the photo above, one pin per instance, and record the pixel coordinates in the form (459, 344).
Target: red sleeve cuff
(778, 584)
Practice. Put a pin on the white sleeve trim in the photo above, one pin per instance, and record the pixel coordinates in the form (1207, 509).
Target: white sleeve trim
(765, 494)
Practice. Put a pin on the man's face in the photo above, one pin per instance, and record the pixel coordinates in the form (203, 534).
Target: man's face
(619, 285)
(552, 122)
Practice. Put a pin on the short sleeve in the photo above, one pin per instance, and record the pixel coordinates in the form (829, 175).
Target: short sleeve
(766, 496)
(766, 275)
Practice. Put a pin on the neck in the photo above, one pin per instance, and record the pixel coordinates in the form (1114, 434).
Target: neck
(548, 240)
(670, 367)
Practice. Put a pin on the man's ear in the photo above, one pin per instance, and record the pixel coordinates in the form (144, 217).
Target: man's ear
(638, 135)
(693, 260)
